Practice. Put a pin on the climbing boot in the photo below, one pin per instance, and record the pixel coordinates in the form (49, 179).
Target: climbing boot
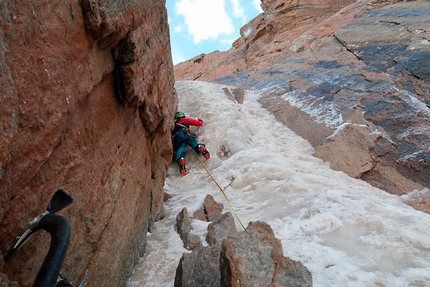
(182, 168)
(204, 151)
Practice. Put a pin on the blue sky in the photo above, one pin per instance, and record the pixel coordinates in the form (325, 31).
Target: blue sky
(203, 26)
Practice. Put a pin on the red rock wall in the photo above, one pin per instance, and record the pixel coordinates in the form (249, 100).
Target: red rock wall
(262, 39)
(87, 100)
(360, 57)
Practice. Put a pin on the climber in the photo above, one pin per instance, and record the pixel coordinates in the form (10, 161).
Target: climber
(182, 136)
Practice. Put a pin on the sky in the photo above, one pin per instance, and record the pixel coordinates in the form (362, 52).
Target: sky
(346, 232)
(203, 26)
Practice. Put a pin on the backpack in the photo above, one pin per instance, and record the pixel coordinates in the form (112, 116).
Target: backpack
(179, 134)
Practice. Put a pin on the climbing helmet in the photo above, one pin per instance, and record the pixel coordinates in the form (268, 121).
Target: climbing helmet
(179, 115)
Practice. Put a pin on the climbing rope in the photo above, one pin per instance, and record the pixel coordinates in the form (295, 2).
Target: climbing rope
(221, 189)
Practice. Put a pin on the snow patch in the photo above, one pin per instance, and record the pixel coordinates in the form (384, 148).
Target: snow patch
(415, 193)
(325, 112)
(405, 159)
(381, 134)
(247, 32)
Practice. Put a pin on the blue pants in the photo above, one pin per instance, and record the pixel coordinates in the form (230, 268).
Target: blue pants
(180, 151)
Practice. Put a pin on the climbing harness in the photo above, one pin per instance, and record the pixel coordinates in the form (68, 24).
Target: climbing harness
(221, 189)
(183, 129)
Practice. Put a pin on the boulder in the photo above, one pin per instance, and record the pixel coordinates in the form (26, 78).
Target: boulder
(183, 224)
(183, 228)
(198, 268)
(210, 211)
(220, 230)
(253, 257)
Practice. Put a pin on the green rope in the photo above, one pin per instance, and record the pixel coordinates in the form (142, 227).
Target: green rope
(222, 190)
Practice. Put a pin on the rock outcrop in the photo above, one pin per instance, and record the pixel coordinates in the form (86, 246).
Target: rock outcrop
(210, 211)
(230, 258)
(87, 101)
(183, 228)
(351, 77)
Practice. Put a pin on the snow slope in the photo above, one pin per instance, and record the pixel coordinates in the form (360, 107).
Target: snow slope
(345, 231)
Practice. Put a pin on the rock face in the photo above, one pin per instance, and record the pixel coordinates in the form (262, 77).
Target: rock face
(183, 228)
(239, 266)
(350, 79)
(87, 101)
(253, 257)
(210, 211)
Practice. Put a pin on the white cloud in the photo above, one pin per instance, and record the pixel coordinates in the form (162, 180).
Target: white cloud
(205, 19)
(257, 4)
(238, 11)
(227, 41)
(177, 28)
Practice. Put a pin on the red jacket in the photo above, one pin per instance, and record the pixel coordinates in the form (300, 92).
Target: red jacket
(190, 122)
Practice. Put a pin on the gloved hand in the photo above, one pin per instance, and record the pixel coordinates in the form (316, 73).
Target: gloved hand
(200, 120)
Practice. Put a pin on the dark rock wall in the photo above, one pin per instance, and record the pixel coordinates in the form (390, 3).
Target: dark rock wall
(87, 100)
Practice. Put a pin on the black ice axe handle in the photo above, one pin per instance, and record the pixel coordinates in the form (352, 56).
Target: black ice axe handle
(59, 200)
(59, 229)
